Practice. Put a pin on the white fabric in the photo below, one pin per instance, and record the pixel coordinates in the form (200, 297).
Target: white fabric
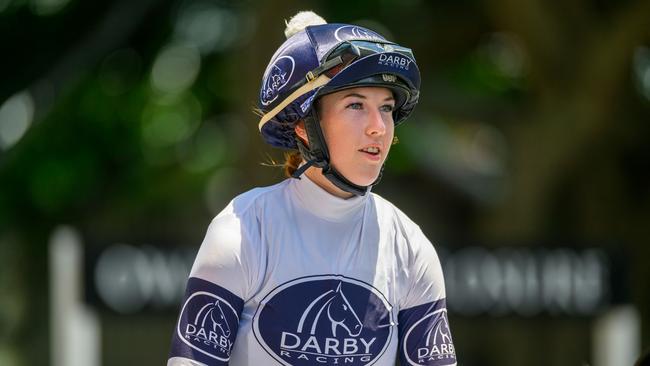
(268, 236)
(179, 361)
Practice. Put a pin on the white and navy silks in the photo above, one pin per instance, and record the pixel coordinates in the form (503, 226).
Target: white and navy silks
(292, 275)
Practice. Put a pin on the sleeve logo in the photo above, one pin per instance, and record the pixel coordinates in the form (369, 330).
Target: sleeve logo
(327, 320)
(207, 324)
(431, 339)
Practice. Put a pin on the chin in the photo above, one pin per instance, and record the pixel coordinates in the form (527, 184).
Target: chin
(363, 179)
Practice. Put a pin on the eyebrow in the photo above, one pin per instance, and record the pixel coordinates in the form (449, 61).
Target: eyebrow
(364, 97)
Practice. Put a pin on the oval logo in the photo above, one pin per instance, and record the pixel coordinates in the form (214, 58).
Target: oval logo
(207, 322)
(432, 339)
(354, 32)
(328, 320)
(277, 76)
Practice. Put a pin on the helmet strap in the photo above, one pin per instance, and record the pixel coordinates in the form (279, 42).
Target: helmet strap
(317, 154)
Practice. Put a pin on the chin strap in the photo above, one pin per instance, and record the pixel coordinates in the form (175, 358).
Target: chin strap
(317, 155)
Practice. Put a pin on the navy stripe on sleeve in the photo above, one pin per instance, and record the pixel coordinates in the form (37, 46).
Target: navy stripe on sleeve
(424, 335)
(208, 323)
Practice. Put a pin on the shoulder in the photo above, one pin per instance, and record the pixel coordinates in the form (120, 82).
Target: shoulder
(247, 201)
(245, 208)
(421, 274)
(410, 242)
(238, 223)
(388, 211)
(232, 250)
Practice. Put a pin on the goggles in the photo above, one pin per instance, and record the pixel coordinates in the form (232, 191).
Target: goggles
(347, 52)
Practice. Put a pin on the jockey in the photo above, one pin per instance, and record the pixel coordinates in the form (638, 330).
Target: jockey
(317, 269)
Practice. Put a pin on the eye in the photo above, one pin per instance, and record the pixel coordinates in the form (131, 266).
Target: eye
(387, 108)
(345, 307)
(356, 106)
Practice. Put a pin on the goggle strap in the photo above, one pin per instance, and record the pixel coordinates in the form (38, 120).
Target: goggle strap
(313, 74)
(311, 85)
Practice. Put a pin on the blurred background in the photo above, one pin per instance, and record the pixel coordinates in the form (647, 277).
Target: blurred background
(125, 126)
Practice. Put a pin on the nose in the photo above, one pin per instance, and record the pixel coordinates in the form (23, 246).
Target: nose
(376, 125)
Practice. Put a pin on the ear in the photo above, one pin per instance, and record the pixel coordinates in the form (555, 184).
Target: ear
(301, 132)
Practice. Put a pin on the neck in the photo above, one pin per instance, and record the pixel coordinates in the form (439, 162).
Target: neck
(316, 176)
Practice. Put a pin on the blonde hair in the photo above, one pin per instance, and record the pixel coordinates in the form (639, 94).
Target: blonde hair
(292, 160)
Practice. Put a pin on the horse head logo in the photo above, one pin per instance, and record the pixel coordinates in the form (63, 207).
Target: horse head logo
(439, 333)
(211, 316)
(339, 313)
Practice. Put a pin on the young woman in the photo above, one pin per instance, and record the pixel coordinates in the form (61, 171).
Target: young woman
(316, 270)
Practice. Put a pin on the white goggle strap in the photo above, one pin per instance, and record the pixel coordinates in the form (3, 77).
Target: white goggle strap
(306, 88)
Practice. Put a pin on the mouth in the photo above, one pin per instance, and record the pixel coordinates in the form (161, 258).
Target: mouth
(373, 152)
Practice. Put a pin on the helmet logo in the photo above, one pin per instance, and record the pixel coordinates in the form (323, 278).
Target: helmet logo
(394, 60)
(277, 77)
(347, 32)
(389, 78)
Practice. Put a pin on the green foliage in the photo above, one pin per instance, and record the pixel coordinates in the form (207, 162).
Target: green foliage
(506, 113)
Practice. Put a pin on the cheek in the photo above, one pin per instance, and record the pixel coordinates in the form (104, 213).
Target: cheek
(339, 133)
(339, 146)
(388, 138)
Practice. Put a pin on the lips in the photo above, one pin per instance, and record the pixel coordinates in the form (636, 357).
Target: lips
(373, 150)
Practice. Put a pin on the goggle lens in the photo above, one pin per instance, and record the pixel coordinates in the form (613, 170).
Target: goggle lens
(353, 50)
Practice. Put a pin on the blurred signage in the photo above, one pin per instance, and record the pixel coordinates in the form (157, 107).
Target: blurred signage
(528, 282)
(129, 279)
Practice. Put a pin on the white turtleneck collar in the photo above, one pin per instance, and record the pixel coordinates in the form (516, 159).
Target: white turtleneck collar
(323, 204)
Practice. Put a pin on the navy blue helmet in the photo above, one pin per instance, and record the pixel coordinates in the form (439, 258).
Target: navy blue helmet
(325, 58)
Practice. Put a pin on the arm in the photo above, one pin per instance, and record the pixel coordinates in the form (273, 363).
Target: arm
(214, 298)
(207, 325)
(424, 335)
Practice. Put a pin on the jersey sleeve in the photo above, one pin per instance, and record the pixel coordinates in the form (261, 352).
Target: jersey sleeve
(219, 283)
(424, 335)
